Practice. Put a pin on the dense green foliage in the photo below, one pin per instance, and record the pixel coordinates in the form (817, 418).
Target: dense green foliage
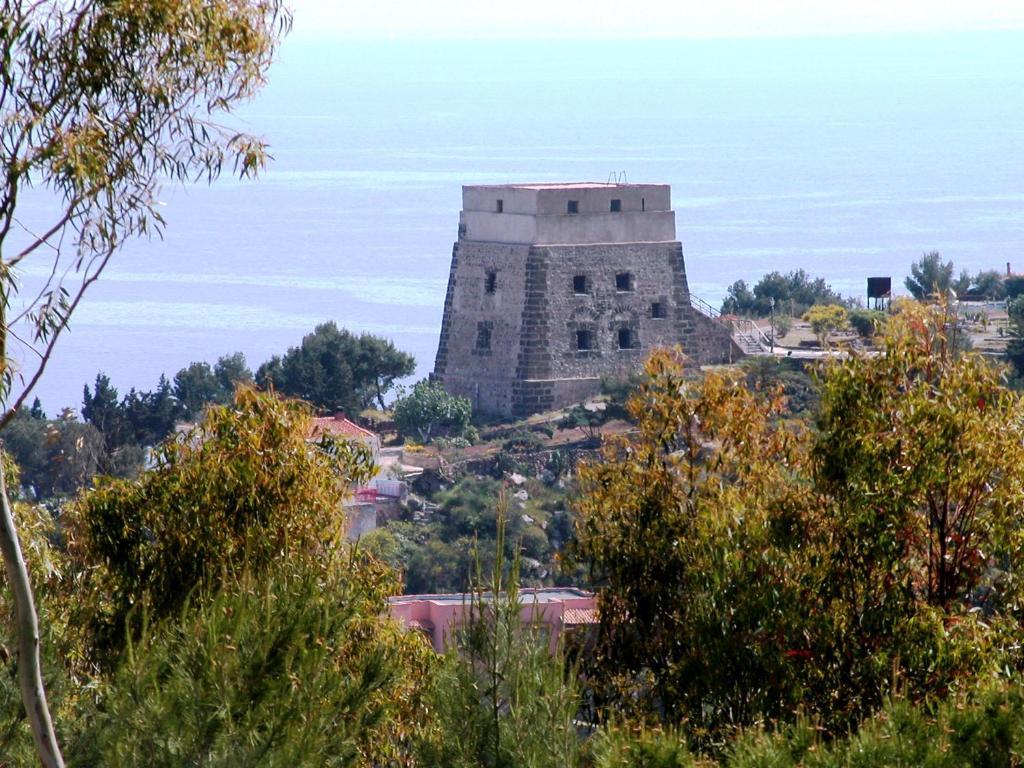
(1015, 346)
(429, 408)
(442, 555)
(868, 323)
(793, 294)
(1014, 285)
(336, 370)
(931, 277)
(988, 284)
(985, 731)
(59, 457)
(211, 614)
(291, 668)
(587, 419)
(243, 487)
(56, 456)
(825, 319)
(198, 385)
(790, 377)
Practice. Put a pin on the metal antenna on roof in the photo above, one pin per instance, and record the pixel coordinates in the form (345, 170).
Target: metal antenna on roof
(613, 178)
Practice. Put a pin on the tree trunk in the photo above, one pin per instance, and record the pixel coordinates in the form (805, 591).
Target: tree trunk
(30, 675)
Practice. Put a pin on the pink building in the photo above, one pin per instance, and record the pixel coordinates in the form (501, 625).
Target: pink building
(559, 609)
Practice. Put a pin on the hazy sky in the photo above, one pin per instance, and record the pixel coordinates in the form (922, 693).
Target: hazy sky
(660, 18)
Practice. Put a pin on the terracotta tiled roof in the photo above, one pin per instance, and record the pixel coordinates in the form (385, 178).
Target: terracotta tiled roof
(339, 426)
(574, 617)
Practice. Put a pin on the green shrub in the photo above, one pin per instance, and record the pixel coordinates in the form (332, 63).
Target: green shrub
(622, 746)
(618, 389)
(534, 542)
(782, 324)
(522, 442)
(868, 323)
(587, 420)
(452, 442)
(1014, 286)
(986, 731)
(824, 319)
(547, 429)
(428, 408)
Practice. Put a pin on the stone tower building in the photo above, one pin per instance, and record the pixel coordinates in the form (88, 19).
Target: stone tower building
(553, 286)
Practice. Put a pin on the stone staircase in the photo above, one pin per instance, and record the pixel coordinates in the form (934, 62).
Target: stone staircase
(748, 338)
(748, 343)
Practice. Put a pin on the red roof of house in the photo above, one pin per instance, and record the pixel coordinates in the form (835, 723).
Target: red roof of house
(574, 617)
(338, 426)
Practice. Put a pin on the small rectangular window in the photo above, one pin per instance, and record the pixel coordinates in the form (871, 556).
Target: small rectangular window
(574, 206)
(643, 204)
(584, 340)
(501, 206)
(483, 337)
(616, 206)
(624, 281)
(579, 284)
(658, 310)
(626, 339)
(491, 284)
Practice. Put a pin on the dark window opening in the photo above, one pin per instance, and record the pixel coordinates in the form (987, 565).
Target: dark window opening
(574, 206)
(624, 281)
(491, 285)
(579, 284)
(626, 339)
(483, 338)
(584, 340)
(643, 204)
(616, 206)
(658, 310)
(501, 206)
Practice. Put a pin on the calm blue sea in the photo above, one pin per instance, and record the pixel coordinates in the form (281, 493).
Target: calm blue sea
(846, 157)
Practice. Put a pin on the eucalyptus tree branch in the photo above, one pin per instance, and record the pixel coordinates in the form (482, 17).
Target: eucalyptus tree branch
(99, 104)
(30, 677)
(44, 238)
(51, 342)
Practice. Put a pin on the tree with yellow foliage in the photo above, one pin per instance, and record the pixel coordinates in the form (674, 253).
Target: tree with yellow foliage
(751, 567)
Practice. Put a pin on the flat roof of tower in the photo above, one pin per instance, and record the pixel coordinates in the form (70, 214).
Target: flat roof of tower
(562, 185)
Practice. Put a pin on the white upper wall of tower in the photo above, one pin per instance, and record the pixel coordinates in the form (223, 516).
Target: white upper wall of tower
(585, 212)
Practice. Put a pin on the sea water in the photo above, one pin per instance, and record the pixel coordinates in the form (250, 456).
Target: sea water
(846, 157)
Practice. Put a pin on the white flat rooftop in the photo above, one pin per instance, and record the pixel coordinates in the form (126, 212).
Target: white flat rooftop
(567, 212)
(561, 185)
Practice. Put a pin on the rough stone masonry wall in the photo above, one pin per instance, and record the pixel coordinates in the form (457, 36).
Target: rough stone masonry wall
(483, 375)
(552, 371)
(534, 313)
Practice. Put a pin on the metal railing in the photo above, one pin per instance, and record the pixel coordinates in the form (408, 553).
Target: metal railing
(752, 331)
(746, 331)
(704, 308)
